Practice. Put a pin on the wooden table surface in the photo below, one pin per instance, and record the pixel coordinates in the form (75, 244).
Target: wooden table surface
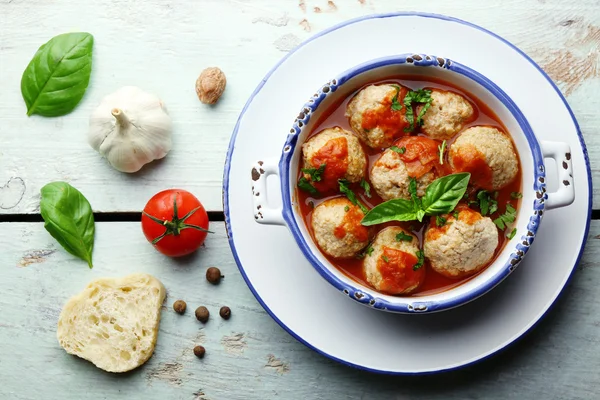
(161, 46)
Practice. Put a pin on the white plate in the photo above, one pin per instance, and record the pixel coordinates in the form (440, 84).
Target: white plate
(310, 309)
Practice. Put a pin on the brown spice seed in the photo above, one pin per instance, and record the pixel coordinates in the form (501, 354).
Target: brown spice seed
(179, 306)
(213, 275)
(210, 85)
(225, 312)
(202, 314)
(199, 351)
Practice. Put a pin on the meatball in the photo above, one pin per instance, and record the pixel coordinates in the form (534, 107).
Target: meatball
(488, 154)
(373, 118)
(337, 228)
(463, 246)
(412, 157)
(447, 115)
(341, 154)
(392, 265)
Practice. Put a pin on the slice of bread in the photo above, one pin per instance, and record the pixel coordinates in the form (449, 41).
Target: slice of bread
(114, 322)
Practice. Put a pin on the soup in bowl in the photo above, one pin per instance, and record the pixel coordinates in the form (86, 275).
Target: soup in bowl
(412, 183)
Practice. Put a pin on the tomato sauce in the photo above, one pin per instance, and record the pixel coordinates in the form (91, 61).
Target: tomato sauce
(335, 155)
(419, 160)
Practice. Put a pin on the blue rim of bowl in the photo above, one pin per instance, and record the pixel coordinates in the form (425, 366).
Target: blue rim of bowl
(228, 219)
(412, 304)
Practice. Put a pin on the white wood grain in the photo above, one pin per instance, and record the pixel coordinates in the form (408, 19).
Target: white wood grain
(162, 45)
(250, 357)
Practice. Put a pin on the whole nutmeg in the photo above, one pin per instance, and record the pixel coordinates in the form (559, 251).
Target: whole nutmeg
(225, 312)
(202, 314)
(199, 351)
(210, 85)
(213, 275)
(179, 306)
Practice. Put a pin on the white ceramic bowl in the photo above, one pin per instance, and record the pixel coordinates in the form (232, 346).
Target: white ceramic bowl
(536, 200)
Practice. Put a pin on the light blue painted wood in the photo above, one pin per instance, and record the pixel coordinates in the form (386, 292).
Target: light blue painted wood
(250, 356)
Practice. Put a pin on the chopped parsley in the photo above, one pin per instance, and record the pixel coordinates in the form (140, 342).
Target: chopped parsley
(420, 260)
(412, 189)
(512, 234)
(403, 237)
(516, 195)
(442, 149)
(305, 185)
(440, 221)
(399, 150)
(396, 105)
(455, 214)
(365, 185)
(347, 208)
(508, 217)
(422, 96)
(311, 204)
(345, 189)
(487, 202)
(369, 250)
(316, 174)
(384, 258)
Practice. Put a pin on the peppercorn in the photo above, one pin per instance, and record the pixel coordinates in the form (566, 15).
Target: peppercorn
(199, 351)
(179, 306)
(225, 312)
(202, 314)
(213, 275)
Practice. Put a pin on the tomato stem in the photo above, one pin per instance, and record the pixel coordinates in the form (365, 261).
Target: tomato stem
(176, 224)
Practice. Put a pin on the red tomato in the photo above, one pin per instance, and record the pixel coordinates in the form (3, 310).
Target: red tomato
(175, 222)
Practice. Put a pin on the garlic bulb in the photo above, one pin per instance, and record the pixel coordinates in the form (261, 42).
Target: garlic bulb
(130, 128)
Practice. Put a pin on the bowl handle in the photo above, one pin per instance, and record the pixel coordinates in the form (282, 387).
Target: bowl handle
(561, 153)
(263, 214)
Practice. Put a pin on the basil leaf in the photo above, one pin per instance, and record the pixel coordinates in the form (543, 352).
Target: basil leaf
(444, 193)
(345, 189)
(512, 234)
(305, 185)
(440, 221)
(56, 78)
(69, 219)
(399, 150)
(316, 174)
(365, 185)
(403, 237)
(419, 96)
(391, 210)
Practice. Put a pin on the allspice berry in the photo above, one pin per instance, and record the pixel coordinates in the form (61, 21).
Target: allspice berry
(202, 314)
(213, 275)
(210, 85)
(225, 312)
(179, 306)
(199, 351)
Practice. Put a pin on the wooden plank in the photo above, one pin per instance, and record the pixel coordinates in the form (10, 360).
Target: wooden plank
(162, 46)
(250, 357)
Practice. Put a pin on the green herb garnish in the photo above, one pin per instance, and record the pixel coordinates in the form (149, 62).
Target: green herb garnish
(316, 174)
(399, 150)
(305, 185)
(422, 96)
(440, 221)
(455, 214)
(384, 258)
(512, 234)
(396, 105)
(441, 197)
(347, 208)
(442, 149)
(487, 203)
(516, 195)
(420, 260)
(403, 237)
(345, 189)
(508, 217)
(365, 185)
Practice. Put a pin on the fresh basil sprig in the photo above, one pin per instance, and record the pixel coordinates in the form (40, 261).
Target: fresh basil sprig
(56, 78)
(441, 197)
(69, 219)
